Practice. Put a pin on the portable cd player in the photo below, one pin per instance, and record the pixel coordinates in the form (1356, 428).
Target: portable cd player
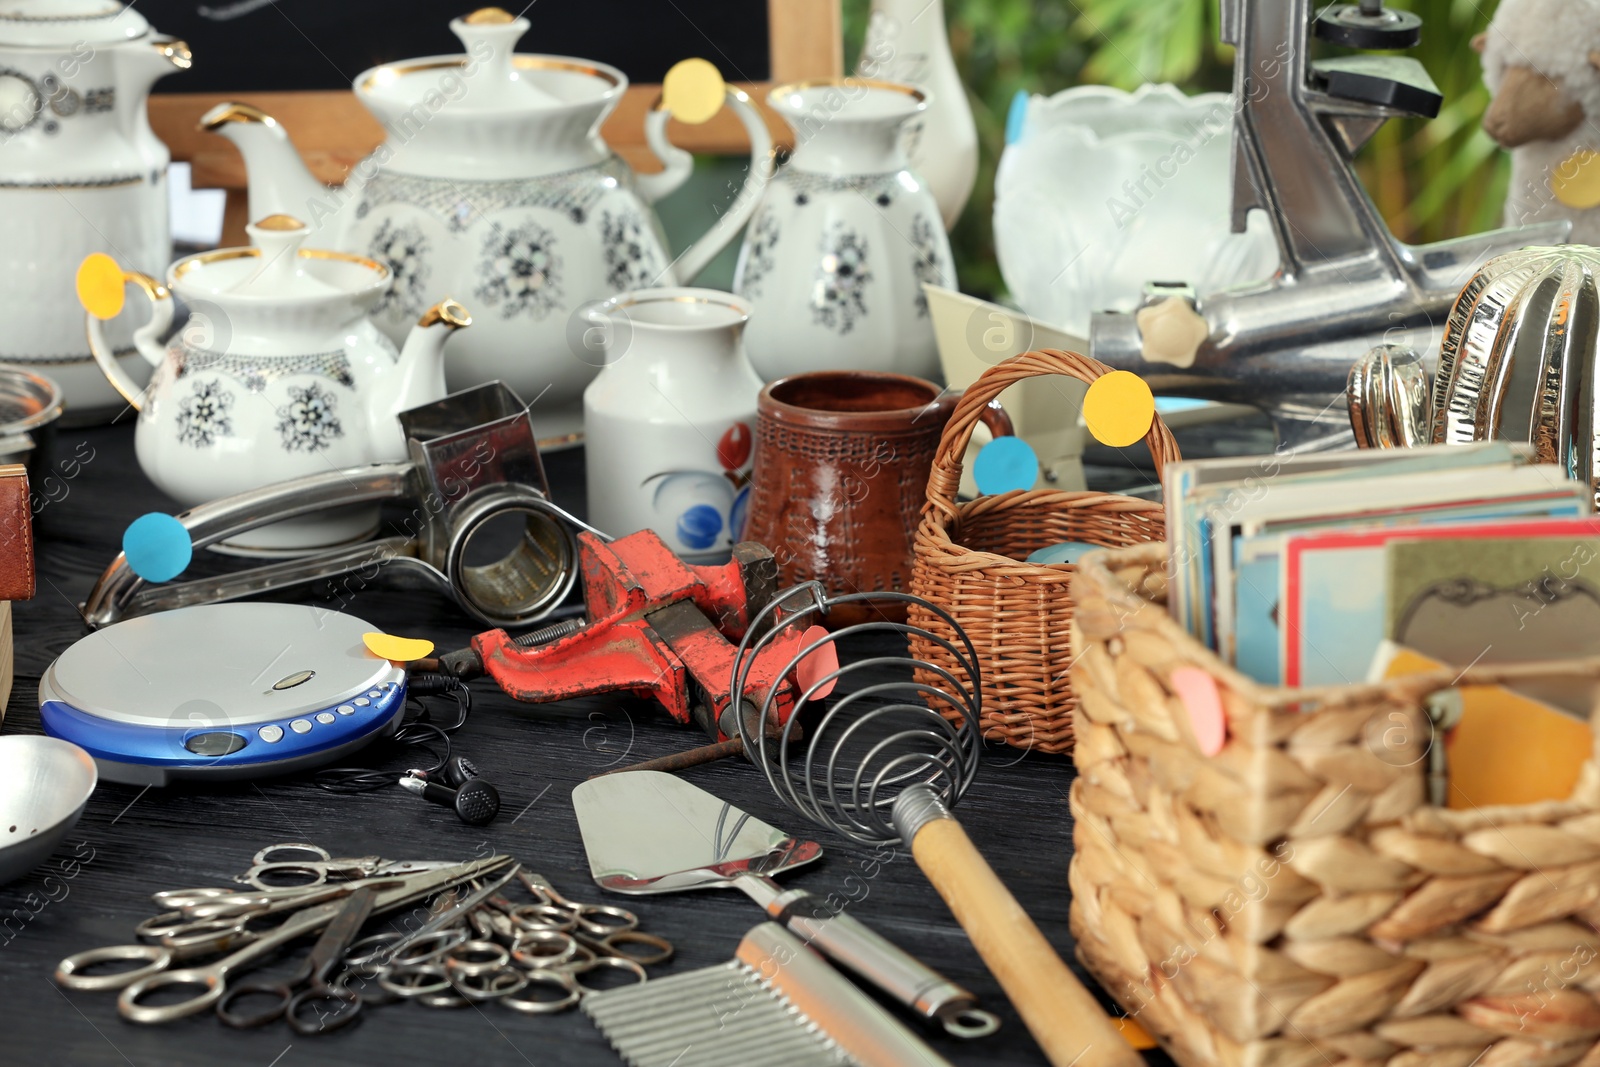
(221, 691)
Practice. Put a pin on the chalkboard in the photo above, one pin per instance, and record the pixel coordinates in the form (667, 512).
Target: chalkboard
(297, 45)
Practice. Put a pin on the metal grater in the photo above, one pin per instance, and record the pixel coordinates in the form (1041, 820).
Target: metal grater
(777, 1002)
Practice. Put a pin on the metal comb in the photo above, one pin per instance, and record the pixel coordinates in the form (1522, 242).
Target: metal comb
(775, 1002)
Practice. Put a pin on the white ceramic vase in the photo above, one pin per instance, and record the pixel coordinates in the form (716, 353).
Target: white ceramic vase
(80, 171)
(835, 257)
(669, 421)
(907, 42)
(1102, 191)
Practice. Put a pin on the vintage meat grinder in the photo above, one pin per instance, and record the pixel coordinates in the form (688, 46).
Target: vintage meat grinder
(1344, 283)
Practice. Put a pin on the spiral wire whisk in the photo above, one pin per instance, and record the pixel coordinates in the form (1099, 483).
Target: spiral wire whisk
(870, 743)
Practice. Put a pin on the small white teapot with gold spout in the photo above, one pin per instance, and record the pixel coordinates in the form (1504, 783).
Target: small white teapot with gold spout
(277, 373)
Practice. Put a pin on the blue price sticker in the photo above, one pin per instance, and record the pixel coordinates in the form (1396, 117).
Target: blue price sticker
(157, 546)
(1004, 464)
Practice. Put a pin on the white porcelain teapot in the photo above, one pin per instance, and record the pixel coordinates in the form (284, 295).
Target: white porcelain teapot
(277, 373)
(80, 170)
(495, 184)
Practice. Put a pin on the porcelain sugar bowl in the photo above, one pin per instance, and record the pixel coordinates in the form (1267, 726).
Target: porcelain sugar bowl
(277, 373)
(835, 257)
(494, 184)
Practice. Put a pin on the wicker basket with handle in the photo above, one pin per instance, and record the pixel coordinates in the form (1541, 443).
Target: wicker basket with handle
(1294, 900)
(971, 561)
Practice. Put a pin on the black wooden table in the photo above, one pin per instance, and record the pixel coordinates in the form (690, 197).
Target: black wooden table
(132, 842)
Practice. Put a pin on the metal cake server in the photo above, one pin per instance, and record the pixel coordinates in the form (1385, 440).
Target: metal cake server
(651, 832)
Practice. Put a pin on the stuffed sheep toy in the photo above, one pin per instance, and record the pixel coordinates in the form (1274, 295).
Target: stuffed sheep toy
(1541, 60)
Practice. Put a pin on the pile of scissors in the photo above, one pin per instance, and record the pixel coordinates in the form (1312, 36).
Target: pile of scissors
(474, 943)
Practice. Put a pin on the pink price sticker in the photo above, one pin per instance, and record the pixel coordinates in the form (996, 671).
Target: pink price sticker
(1198, 692)
(821, 663)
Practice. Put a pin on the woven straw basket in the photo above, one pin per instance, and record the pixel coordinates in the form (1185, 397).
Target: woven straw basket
(970, 562)
(1294, 900)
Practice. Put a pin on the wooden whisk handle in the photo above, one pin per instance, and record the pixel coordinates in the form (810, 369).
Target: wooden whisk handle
(1063, 1017)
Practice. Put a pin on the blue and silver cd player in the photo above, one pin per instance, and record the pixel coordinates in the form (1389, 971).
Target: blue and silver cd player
(221, 691)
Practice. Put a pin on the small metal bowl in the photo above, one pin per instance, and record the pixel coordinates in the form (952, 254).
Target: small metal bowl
(29, 406)
(44, 784)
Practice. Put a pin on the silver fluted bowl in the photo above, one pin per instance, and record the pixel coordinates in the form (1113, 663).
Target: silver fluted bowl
(1517, 362)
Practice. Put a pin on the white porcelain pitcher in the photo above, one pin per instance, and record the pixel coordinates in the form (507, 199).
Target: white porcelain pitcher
(80, 170)
(835, 257)
(277, 373)
(494, 183)
(669, 422)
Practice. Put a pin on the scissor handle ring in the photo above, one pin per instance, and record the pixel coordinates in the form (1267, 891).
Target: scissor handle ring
(451, 999)
(264, 857)
(239, 1020)
(531, 949)
(133, 1011)
(550, 917)
(582, 915)
(529, 1006)
(67, 975)
(658, 949)
(157, 927)
(348, 1007)
(428, 948)
(182, 898)
(256, 876)
(196, 935)
(370, 950)
(621, 963)
(421, 980)
(472, 958)
(489, 985)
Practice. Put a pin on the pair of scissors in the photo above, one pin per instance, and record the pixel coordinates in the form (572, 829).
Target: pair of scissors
(205, 914)
(333, 1005)
(287, 867)
(157, 972)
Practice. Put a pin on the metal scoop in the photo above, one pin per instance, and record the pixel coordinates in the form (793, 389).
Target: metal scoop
(650, 832)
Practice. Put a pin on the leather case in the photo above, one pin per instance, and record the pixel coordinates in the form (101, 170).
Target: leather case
(16, 534)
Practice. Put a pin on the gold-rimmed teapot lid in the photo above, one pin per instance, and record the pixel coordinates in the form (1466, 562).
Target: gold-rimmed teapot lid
(278, 268)
(68, 23)
(490, 76)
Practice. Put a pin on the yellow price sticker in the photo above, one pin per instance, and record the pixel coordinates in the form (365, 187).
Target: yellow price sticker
(1119, 408)
(1133, 1033)
(397, 649)
(1576, 182)
(100, 286)
(693, 91)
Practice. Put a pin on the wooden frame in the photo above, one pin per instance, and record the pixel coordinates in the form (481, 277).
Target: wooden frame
(334, 132)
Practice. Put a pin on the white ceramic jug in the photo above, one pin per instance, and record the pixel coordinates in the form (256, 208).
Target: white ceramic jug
(669, 421)
(80, 171)
(277, 373)
(835, 257)
(495, 184)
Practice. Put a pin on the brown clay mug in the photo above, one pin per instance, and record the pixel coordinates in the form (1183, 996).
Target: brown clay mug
(840, 475)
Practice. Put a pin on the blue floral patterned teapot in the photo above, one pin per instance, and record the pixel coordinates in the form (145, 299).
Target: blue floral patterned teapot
(495, 184)
(276, 373)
